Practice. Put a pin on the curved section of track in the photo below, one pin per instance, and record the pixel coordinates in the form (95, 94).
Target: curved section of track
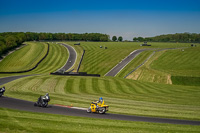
(13, 103)
(72, 58)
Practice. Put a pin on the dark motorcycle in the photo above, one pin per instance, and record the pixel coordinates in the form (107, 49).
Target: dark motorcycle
(2, 90)
(42, 101)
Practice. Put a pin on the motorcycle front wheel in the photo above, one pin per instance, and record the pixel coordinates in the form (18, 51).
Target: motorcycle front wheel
(45, 104)
(102, 111)
(89, 110)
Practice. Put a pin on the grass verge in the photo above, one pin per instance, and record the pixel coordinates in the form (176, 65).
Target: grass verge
(122, 95)
(28, 122)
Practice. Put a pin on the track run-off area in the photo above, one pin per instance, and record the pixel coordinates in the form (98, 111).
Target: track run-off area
(12, 103)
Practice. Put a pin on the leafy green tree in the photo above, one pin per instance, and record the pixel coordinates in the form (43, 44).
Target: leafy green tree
(11, 41)
(120, 38)
(2, 47)
(135, 39)
(114, 38)
(103, 38)
(21, 37)
(140, 39)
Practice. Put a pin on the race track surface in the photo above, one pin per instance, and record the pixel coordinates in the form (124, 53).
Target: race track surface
(124, 62)
(72, 57)
(17, 104)
(9, 79)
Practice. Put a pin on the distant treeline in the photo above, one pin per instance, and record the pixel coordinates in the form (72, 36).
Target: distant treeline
(178, 37)
(10, 40)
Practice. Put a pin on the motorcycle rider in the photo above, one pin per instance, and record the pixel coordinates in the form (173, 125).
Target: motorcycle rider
(41, 98)
(2, 90)
(100, 102)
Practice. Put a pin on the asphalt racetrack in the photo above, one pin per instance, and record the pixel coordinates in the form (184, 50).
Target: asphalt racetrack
(18, 104)
(72, 57)
(124, 62)
(9, 79)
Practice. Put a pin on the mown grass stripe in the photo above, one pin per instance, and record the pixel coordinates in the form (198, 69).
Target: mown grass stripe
(60, 85)
(107, 86)
(95, 85)
(69, 85)
(82, 85)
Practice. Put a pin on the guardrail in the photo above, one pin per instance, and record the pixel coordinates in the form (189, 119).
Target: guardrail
(81, 60)
(75, 74)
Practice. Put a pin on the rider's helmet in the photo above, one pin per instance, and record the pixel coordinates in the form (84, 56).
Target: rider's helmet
(101, 99)
(47, 94)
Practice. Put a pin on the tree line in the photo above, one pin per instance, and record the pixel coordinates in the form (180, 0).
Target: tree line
(120, 38)
(10, 40)
(178, 37)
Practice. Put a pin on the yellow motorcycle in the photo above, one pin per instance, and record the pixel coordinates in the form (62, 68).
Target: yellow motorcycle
(98, 107)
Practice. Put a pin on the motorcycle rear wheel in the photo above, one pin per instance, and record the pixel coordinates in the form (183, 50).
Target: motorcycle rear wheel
(35, 104)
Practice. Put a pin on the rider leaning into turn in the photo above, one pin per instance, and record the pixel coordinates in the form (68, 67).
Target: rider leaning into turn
(40, 99)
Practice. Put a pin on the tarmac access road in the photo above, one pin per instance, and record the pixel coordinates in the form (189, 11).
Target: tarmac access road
(115, 70)
(12, 103)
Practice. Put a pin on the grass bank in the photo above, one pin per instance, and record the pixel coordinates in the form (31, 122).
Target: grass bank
(27, 122)
(24, 58)
(122, 95)
(56, 58)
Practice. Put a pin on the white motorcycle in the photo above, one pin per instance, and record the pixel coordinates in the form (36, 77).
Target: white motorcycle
(2, 90)
(42, 101)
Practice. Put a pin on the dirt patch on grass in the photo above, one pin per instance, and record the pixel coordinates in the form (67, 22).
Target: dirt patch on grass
(169, 81)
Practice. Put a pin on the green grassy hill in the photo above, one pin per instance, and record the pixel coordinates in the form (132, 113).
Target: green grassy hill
(124, 96)
(56, 58)
(99, 60)
(182, 65)
(151, 93)
(25, 58)
(30, 55)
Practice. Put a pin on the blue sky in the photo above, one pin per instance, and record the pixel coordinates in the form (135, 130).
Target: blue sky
(127, 18)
